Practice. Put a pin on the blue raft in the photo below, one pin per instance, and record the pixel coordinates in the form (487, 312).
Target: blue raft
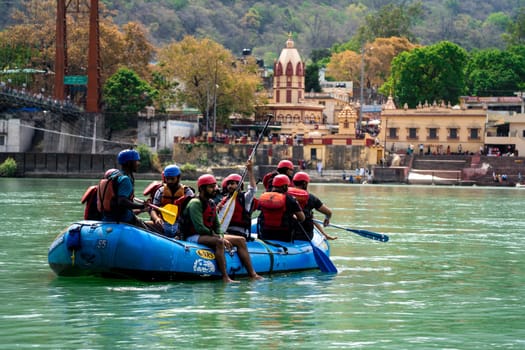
(124, 251)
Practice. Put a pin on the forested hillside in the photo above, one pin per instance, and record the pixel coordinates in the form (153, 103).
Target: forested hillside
(264, 25)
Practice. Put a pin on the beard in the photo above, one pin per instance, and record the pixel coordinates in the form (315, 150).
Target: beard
(173, 187)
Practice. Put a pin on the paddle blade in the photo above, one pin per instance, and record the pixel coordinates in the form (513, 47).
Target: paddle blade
(323, 261)
(169, 213)
(226, 212)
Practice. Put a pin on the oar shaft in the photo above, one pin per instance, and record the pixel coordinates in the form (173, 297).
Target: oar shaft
(363, 233)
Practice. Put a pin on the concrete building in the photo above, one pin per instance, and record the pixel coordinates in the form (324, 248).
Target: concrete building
(434, 129)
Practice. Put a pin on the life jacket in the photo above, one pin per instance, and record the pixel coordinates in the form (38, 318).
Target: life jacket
(299, 194)
(241, 217)
(107, 194)
(171, 198)
(273, 210)
(268, 178)
(151, 189)
(209, 213)
(90, 200)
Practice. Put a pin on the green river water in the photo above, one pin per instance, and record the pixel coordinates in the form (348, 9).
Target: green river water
(452, 276)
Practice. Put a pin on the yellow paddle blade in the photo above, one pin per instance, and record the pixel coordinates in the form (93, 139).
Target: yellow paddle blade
(169, 213)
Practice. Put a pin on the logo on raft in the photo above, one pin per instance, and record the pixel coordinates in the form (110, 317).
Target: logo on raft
(204, 266)
(205, 254)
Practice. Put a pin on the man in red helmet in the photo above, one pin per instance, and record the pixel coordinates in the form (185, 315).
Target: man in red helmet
(279, 212)
(301, 181)
(201, 225)
(241, 220)
(284, 167)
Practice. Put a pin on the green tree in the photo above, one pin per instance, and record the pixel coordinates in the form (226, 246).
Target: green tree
(431, 73)
(493, 72)
(391, 20)
(515, 34)
(125, 94)
(311, 82)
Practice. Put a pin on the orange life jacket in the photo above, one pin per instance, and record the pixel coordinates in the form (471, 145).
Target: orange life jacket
(171, 198)
(273, 209)
(299, 194)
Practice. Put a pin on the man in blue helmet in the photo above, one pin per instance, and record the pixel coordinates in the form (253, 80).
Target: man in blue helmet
(117, 193)
(170, 192)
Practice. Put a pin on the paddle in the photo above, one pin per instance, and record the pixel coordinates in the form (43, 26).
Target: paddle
(169, 211)
(364, 233)
(322, 260)
(226, 212)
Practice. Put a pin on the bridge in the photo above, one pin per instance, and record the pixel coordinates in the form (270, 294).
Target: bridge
(16, 100)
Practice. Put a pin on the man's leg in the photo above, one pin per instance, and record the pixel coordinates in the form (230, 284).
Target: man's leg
(244, 256)
(217, 243)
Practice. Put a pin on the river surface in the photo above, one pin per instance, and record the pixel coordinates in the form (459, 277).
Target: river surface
(452, 276)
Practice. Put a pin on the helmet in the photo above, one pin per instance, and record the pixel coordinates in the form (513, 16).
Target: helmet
(171, 171)
(301, 176)
(280, 180)
(206, 179)
(127, 155)
(231, 177)
(285, 164)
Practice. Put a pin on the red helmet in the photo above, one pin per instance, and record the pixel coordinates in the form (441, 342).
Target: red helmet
(205, 180)
(285, 164)
(280, 180)
(301, 176)
(231, 177)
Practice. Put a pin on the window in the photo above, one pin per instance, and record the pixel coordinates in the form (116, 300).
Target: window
(288, 96)
(152, 142)
(474, 134)
(433, 133)
(313, 153)
(392, 133)
(2, 140)
(412, 133)
(453, 133)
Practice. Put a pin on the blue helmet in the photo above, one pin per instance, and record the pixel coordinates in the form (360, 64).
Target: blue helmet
(171, 171)
(127, 155)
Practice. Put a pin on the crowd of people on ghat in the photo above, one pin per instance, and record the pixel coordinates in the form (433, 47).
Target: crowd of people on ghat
(220, 218)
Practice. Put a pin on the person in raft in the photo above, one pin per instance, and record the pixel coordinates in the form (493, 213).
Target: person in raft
(284, 167)
(241, 220)
(170, 192)
(280, 212)
(200, 224)
(116, 193)
(301, 180)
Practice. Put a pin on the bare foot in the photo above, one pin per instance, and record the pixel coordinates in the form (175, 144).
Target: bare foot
(256, 277)
(227, 279)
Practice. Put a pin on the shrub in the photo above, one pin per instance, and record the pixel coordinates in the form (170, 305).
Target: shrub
(145, 158)
(188, 167)
(8, 167)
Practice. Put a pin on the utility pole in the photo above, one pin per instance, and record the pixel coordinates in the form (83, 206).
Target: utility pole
(361, 101)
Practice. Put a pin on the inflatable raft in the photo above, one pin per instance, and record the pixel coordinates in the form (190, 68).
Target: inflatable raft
(124, 251)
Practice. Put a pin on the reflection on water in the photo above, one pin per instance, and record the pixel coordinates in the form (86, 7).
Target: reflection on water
(451, 276)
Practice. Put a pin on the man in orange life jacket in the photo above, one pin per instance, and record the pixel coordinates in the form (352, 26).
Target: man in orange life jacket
(120, 207)
(171, 191)
(201, 225)
(241, 220)
(301, 180)
(284, 167)
(280, 212)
